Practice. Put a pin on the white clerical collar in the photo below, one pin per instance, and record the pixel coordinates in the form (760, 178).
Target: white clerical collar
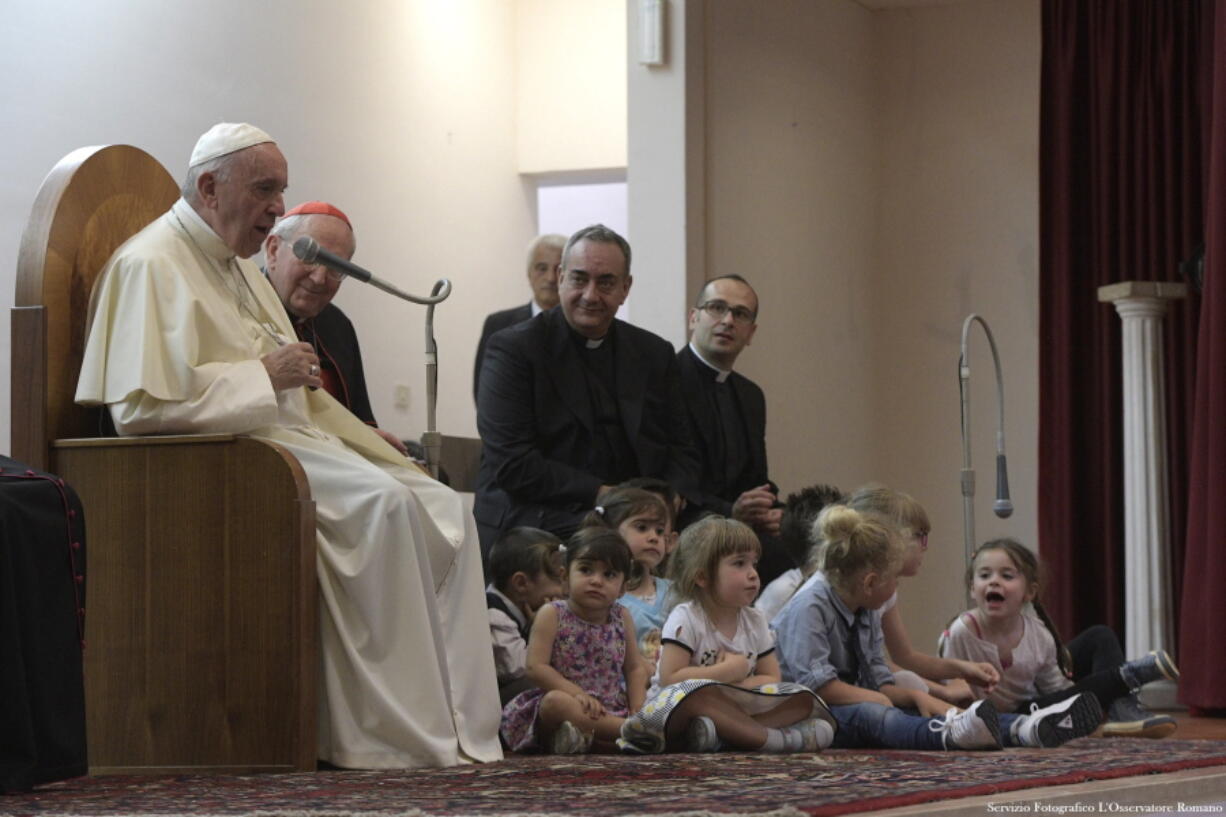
(512, 607)
(588, 343)
(721, 374)
(200, 232)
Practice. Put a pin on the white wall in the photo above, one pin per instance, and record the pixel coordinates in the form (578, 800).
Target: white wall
(401, 112)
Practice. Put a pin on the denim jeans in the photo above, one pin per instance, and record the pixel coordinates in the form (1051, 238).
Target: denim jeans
(873, 725)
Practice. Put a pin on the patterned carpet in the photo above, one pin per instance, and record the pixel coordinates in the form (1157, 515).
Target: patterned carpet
(831, 783)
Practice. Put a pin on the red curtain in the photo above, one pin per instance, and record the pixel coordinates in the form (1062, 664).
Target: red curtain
(1202, 660)
(1120, 192)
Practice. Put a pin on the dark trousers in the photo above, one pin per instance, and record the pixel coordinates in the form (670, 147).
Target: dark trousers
(1096, 669)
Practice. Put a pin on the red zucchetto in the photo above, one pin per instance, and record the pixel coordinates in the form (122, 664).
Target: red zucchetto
(317, 208)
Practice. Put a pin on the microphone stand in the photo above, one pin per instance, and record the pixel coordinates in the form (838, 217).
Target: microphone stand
(431, 439)
(307, 249)
(968, 473)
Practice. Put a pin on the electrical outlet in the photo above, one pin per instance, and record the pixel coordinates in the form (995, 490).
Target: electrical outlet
(400, 397)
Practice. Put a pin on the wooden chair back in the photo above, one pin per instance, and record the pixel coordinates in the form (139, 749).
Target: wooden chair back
(92, 201)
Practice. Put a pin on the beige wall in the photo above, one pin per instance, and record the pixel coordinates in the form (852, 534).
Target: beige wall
(874, 173)
(572, 52)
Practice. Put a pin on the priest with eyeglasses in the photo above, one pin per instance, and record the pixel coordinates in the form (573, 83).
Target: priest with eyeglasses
(727, 412)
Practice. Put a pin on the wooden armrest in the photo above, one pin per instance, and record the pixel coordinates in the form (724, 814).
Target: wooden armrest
(119, 442)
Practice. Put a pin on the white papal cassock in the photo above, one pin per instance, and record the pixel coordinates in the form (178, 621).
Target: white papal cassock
(177, 327)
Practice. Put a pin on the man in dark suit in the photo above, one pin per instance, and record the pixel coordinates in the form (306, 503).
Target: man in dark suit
(306, 292)
(574, 400)
(544, 256)
(727, 412)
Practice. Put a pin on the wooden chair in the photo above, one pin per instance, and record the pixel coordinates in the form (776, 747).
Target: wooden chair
(460, 459)
(202, 613)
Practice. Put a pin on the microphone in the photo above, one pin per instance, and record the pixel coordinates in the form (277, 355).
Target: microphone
(308, 249)
(1003, 506)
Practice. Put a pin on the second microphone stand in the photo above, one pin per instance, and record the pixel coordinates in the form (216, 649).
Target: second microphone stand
(1003, 506)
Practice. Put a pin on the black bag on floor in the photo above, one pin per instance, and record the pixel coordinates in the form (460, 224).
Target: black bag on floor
(42, 626)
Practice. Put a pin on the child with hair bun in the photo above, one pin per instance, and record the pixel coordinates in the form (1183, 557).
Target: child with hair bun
(717, 682)
(830, 640)
(1009, 628)
(641, 519)
(581, 656)
(912, 668)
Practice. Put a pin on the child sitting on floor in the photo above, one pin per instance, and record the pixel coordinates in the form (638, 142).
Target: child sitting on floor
(581, 656)
(526, 565)
(718, 680)
(796, 534)
(1009, 628)
(830, 640)
(909, 521)
(641, 519)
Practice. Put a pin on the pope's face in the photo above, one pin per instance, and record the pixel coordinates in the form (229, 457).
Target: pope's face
(592, 287)
(543, 275)
(243, 206)
(305, 289)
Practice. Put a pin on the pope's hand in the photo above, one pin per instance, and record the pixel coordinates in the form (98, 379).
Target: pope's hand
(291, 366)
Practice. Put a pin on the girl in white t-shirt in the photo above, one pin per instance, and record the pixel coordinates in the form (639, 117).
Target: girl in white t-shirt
(718, 680)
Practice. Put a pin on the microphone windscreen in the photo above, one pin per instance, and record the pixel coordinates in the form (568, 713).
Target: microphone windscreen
(306, 248)
(1003, 506)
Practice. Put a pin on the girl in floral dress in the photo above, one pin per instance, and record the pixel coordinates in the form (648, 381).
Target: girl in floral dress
(588, 678)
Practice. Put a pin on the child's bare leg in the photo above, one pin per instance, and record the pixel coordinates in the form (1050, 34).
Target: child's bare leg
(608, 730)
(557, 707)
(733, 725)
(795, 709)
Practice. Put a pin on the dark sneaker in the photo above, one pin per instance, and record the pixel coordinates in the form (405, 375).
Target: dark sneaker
(1154, 667)
(1126, 718)
(1059, 723)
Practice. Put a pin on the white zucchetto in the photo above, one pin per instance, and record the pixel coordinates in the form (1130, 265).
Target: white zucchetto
(226, 137)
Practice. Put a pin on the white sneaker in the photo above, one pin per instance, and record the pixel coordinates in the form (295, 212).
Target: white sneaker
(1074, 717)
(569, 739)
(818, 734)
(976, 727)
(700, 736)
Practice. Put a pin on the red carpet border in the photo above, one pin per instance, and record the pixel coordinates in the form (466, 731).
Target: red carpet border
(832, 783)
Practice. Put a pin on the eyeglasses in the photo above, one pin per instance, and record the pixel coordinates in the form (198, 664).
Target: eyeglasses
(606, 284)
(719, 309)
(334, 276)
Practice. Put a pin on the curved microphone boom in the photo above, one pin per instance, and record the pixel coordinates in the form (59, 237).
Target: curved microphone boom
(1003, 506)
(307, 249)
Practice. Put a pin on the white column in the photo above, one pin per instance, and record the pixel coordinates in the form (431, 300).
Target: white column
(665, 169)
(1147, 572)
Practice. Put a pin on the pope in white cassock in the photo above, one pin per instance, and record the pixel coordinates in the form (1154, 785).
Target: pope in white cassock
(187, 336)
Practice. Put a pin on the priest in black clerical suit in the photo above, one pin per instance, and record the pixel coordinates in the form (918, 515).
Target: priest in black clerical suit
(727, 412)
(544, 256)
(574, 400)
